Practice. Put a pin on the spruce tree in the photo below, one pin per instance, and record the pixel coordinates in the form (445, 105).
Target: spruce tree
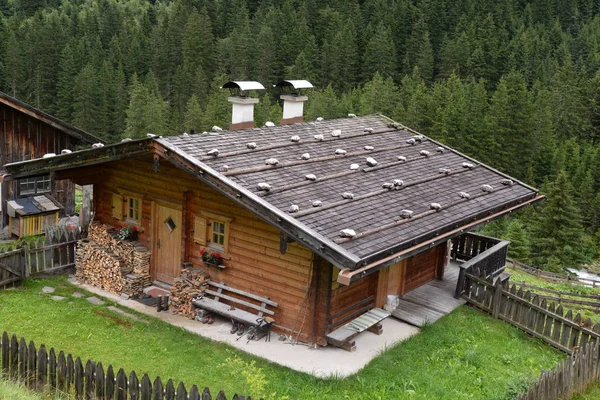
(88, 102)
(558, 239)
(520, 246)
(380, 54)
(511, 125)
(146, 113)
(194, 114)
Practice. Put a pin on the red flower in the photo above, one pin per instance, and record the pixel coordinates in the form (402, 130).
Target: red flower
(218, 255)
(135, 228)
(202, 251)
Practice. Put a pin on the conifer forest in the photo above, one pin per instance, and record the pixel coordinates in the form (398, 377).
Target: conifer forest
(512, 83)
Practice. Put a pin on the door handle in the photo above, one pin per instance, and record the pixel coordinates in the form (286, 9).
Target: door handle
(158, 243)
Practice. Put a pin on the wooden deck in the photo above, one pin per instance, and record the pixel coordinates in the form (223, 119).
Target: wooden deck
(430, 302)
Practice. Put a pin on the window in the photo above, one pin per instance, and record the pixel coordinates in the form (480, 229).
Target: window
(218, 235)
(34, 185)
(211, 230)
(126, 208)
(133, 209)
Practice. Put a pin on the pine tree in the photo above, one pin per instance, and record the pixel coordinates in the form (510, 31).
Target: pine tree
(520, 246)
(67, 70)
(379, 95)
(13, 64)
(146, 113)
(88, 104)
(380, 54)
(419, 52)
(511, 124)
(557, 235)
(193, 116)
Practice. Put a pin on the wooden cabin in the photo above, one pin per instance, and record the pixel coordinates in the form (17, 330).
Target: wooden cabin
(27, 133)
(325, 218)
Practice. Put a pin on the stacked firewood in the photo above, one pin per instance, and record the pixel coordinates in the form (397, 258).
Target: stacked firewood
(190, 284)
(100, 248)
(98, 267)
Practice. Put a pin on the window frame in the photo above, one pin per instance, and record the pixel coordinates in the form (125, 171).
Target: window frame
(34, 182)
(128, 209)
(211, 219)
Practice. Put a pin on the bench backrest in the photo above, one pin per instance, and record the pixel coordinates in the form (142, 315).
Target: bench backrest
(221, 287)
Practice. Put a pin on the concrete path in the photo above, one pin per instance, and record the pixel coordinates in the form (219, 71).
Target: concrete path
(321, 362)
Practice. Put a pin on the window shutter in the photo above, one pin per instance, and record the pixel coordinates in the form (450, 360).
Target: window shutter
(200, 228)
(117, 206)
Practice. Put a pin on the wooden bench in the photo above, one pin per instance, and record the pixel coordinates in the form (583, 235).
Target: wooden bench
(343, 336)
(218, 292)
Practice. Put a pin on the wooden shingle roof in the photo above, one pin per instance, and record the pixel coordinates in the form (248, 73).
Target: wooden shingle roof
(374, 212)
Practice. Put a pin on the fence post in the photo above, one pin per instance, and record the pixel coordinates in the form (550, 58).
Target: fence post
(496, 303)
(4, 350)
(26, 263)
(460, 283)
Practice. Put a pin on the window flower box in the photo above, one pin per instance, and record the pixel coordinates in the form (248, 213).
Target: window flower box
(127, 233)
(212, 259)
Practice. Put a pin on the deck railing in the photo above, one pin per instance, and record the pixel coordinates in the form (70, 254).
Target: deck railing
(483, 255)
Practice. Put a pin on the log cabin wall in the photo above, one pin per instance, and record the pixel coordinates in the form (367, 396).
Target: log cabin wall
(349, 302)
(23, 137)
(254, 262)
(423, 267)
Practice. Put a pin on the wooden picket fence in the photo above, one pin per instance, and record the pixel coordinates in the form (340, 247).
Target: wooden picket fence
(40, 369)
(571, 377)
(51, 253)
(526, 311)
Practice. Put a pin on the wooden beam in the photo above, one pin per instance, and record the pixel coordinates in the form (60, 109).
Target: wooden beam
(42, 166)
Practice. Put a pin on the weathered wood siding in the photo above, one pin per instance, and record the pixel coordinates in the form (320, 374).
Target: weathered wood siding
(254, 262)
(349, 302)
(24, 138)
(390, 282)
(423, 267)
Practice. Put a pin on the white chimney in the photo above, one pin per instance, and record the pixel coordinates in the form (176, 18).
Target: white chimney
(242, 113)
(293, 101)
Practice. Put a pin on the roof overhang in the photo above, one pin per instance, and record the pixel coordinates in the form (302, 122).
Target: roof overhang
(101, 155)
(347, 276)
(49, 119)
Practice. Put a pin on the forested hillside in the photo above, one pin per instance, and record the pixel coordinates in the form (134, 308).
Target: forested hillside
(512, 83)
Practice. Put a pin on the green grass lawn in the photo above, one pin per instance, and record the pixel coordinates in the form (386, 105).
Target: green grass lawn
(520, 276)
(466, 355)
(15, 391)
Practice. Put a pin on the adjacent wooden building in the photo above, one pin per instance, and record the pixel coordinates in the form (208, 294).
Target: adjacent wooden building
(325, 218)
(27, 133)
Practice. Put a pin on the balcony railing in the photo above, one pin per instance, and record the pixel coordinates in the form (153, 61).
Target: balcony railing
(481, 255)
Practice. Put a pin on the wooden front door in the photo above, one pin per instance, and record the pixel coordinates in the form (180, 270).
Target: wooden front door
(167, 261)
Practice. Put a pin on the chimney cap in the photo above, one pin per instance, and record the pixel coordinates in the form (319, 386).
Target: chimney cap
(296, 84)
(243, 85)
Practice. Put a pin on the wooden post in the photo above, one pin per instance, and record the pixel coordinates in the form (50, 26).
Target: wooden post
(121, 385)
(134, 386)
(497, 302)
(460, 283)
(26, 261)
(52, 364)
(86, 207)
(4, 350)
(42, 368)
